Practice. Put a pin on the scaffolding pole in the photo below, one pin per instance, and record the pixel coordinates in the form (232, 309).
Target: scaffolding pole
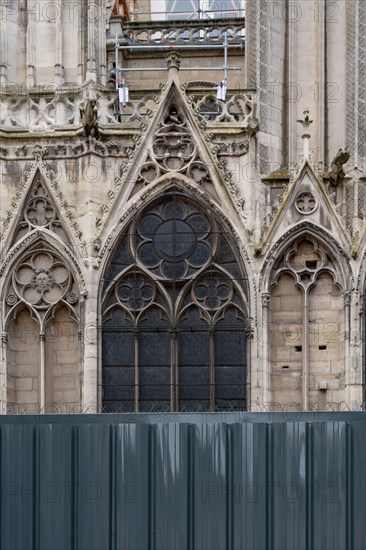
(169, 47)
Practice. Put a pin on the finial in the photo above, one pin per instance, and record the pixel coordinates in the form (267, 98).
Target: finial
(173, 61)
(306, 137)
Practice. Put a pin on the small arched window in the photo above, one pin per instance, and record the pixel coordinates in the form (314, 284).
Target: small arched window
(174, 314)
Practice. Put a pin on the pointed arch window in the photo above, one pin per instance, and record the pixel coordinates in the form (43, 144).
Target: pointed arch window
(174, 314)
(307, 327)
(41, 313)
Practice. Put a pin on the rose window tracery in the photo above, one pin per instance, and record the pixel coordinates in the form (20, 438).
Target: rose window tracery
(174, 240)
(41, 280)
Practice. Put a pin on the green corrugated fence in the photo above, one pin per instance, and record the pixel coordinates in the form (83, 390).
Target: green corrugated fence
(231, 481)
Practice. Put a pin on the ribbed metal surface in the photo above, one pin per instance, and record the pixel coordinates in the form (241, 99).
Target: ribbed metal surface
(186, 482)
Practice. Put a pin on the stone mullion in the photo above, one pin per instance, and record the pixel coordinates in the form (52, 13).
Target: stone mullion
(3, 378)
(212, 369)
(347, 332)
(42, 372)
(305, 357)
(92, 377)
(266, 340)
(136, 369)
(174, 390)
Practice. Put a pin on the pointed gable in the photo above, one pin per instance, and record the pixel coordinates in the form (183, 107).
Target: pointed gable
(306, 200)
(174, 144)
(39, 211)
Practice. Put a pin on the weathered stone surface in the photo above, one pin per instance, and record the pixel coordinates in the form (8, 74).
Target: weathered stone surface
(70, 190)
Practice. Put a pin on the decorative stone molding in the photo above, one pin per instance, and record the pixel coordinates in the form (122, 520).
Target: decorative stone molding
(173, 60)
(192, 32)
(301, 230)
(41, 280)
(305, 203)
(38, 114)
(40, 210)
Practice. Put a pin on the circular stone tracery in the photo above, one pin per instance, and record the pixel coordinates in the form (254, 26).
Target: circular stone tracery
(305, 203)
(174, 240)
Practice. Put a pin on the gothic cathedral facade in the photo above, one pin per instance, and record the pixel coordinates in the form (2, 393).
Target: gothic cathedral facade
(182, 205)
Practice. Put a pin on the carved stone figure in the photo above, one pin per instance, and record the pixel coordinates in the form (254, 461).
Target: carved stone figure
(336, 173)
(89, 118)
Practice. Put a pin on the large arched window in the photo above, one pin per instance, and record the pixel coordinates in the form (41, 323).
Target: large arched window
(174, 314)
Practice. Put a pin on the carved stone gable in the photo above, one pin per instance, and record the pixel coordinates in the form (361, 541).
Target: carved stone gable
(39, 212)
(174, 149)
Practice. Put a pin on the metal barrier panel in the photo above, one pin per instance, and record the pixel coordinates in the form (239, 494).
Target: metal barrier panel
(183, 482)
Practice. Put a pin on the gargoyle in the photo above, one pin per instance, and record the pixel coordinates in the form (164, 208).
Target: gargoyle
(89, 118)
(336, 173)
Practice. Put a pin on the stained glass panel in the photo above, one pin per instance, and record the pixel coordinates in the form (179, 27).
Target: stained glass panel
(172, 337)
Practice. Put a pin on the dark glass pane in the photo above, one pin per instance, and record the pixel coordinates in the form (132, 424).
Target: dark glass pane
(230, 382)
(194, 382)
(154, 348)
(230, 340)
(193, 357)
(194, 348)
(230, 362)
(118, 348)
(120, 392)
(120, 261)
(235, 376)
(119, 376)
(154, 359)
(154, 383)
(230, 348)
